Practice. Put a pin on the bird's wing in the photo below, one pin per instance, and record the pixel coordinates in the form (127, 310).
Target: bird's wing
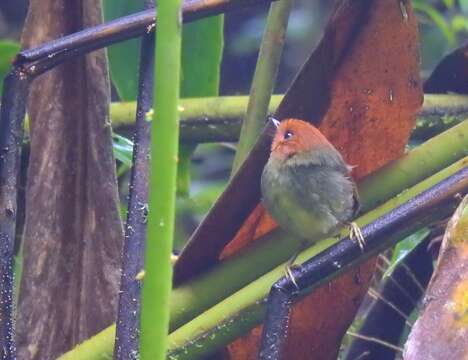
(322, 189)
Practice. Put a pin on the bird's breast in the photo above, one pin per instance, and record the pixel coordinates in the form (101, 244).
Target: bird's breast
(293, 198)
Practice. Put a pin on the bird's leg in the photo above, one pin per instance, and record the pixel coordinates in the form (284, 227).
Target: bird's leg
(355, 233)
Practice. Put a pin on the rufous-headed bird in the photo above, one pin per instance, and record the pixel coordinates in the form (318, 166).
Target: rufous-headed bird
(306, 185)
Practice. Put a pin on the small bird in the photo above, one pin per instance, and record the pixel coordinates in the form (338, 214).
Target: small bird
(306, 185)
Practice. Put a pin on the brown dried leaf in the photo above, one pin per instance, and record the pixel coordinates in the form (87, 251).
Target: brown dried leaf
(441, 332)
(73, 233)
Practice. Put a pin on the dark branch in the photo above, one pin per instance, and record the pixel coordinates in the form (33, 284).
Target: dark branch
(36, 61)
(127, 337)
(12, 114)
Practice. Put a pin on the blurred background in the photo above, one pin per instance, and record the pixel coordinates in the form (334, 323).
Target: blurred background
(443, 27)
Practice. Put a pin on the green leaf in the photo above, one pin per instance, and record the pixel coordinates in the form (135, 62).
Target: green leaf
(8, 50)
(449, 3)
(460, 23)
(438, 19)
(183, 170)
(123, 149)
(123, 57)
(404, 247)
(202, 50)
(464, 6)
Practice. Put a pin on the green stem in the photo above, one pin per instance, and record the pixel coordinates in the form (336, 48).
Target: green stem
(264, 79)
(419, 163)
(218, 119)
(157, 282)
(191, 299)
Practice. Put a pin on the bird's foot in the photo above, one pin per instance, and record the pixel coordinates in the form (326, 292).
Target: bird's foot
(289, 267)
(174, 258)
(355, 233)
(288, 272)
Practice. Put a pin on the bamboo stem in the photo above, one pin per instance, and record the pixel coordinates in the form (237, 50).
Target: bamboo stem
(219, 119)
(157, 282)
(264, 79)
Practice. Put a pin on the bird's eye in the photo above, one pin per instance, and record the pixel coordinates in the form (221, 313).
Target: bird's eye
(288, 134)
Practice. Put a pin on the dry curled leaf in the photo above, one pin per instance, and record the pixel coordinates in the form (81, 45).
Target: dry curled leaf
(441, 331)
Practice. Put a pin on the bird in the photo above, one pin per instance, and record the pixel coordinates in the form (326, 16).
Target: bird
(306, 185)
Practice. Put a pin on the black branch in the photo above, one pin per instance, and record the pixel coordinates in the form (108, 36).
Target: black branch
(127, 337)
(12, 114)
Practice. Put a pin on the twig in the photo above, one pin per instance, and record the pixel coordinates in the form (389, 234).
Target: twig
(377, 296)
(375, 340)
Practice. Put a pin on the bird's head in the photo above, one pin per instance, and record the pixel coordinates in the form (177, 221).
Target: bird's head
(295, 137)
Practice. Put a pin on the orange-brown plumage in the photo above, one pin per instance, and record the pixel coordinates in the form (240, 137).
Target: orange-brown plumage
(309, 138)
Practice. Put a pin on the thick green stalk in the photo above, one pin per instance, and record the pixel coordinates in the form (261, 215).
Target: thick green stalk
(157, 282)
(439, 113)
(201, 109)
(217, 119)
(193, 298)
(422, 161)
(100, 349)
(264, 78)
(244, 309)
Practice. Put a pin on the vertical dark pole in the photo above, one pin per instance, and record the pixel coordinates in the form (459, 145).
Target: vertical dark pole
(128, 317)
(12, 113)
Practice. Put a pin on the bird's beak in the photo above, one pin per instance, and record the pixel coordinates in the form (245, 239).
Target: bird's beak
(275, 121)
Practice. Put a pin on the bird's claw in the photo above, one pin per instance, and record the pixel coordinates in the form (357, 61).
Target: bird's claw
(355, 233)
(289, 274)
(174, 258)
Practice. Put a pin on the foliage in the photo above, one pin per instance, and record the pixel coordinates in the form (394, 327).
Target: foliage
(404, 247)
(8, 50)
(123, 59)
(444, 26)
